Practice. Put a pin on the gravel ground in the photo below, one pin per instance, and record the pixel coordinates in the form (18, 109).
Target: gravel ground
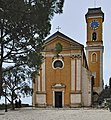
(56, 114)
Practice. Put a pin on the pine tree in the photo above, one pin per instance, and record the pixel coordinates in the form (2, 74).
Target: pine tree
(110, 82)
(24, 24)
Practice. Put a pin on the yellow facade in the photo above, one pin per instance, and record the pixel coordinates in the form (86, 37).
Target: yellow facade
(57, 76)
(94, 47)
(65, 82)
(95, 67)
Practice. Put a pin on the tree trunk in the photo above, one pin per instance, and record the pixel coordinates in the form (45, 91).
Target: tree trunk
(12, 101)
(1, 57)
(12, 104)
(1, 81)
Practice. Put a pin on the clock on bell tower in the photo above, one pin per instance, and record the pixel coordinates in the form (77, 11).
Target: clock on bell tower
(94, 45)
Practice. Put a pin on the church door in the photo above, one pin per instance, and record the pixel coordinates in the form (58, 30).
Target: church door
(58, 99)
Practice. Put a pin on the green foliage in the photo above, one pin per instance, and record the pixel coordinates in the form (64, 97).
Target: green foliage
(18, 82)
(110, 82)
(23, 26)
(58, 48)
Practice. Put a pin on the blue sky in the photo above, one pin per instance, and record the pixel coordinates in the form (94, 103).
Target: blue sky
(72, 23)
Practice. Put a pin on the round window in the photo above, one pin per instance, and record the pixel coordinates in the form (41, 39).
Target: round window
(58, 64)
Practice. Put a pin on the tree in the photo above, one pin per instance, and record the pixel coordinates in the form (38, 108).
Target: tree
(23, 26)
(110, 82)
(18, 83)
(106, 87)
(58, 48)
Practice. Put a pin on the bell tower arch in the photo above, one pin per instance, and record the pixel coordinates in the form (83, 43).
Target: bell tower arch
(94, 45)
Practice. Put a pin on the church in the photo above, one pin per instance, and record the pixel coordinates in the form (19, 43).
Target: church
(65, 77)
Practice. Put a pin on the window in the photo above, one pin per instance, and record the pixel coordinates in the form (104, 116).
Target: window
(94, 36)
(94, 57)
(94, 74)
(57, 64)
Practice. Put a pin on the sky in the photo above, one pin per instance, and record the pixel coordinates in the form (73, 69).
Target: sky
(72, 23)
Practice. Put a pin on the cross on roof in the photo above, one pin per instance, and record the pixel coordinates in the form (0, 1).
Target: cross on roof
(58, 28)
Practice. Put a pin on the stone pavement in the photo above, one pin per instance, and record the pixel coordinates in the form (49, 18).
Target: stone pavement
(56, 114)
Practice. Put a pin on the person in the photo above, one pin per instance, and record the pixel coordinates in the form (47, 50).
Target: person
(16, 104)
(19, 103)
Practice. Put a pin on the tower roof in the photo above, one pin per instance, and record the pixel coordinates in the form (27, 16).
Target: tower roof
(94, 12)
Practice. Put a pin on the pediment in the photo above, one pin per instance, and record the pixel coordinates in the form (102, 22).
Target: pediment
(60, 85)
(60, 37)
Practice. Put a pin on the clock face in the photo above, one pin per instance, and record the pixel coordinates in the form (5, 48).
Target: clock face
(94, 24)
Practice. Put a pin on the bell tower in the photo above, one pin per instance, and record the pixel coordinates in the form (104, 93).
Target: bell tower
(94, 45)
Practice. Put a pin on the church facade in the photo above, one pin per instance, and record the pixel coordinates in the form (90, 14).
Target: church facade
(64, 79)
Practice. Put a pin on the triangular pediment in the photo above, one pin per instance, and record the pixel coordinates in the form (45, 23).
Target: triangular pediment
(58, 36)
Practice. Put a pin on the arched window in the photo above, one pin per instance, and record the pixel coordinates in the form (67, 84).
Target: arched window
(94, 36)
(94, 57)
(58, 63)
